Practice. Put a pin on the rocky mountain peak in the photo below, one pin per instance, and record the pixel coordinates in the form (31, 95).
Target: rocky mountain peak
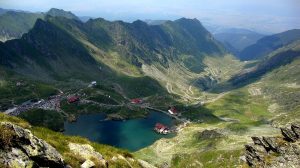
(186, 20)
(61, 13)
(139, 23)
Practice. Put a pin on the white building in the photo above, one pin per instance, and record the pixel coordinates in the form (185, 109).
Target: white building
(93, 83)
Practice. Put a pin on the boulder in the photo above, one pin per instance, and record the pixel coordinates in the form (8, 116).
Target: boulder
(87, 164)
(261, 142)
(288, 134)
(87, 152)
(23, 149)
(254, 154)
(296, 129)
(272, 142)
(15, 158)
(257, 140)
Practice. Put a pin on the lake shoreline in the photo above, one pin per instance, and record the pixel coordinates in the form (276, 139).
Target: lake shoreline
(131, 134)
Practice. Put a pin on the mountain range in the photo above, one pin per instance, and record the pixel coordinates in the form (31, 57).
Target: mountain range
(60, 46)
(236, 40)
(63, 47)
(268, 44)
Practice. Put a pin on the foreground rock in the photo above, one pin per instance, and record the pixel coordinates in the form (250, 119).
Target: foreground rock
(20, 148)
(87, 152)
(274, 152)
(87, 164)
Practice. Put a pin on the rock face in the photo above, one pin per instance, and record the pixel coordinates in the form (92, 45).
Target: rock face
(275, 152)
(289, 135)
(296, 129)
(20, 148)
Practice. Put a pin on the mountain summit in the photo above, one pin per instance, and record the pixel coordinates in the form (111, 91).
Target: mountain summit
(61, 13)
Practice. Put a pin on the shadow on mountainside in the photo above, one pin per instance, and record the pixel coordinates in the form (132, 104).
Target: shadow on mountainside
(256, 73)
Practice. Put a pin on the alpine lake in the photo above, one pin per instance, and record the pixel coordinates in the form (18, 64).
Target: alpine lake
(131, 134)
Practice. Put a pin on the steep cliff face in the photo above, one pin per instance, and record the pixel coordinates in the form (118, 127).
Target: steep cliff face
(275, 151)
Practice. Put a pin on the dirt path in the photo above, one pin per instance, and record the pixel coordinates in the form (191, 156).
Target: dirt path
(185, 94)
(216, 98)
(101, 104)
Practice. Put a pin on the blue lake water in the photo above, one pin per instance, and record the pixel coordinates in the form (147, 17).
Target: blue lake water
(130, 134)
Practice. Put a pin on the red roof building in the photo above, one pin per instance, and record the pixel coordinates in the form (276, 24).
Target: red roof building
(73, 99)
(162, 129)
(136, 101)
(159, 126)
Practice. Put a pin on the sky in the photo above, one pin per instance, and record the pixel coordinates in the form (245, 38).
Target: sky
(266, 16)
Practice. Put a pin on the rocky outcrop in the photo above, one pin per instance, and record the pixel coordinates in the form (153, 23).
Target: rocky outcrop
(289, 135)
(210, 134)
(20, 148)
(87, 152)
(296, 129)
(275, 152)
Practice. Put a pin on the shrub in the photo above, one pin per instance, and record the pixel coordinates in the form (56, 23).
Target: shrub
(6, 137)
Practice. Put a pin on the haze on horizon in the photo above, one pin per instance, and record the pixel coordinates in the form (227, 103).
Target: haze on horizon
(269, 16)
